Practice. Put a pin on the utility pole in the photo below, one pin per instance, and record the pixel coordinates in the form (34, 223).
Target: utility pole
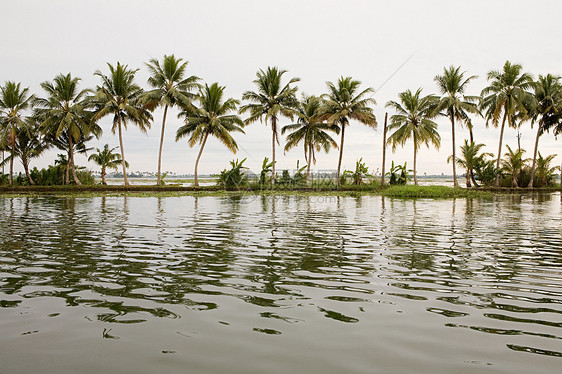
(384, 148)
(518, 140)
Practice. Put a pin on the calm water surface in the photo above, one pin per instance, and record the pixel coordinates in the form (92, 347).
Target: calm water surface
(281, 285)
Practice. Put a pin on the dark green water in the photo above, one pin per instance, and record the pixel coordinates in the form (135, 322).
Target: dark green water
(280, 285)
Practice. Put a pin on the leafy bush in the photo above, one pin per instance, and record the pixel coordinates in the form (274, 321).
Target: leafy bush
(235, 177)
(398, 174)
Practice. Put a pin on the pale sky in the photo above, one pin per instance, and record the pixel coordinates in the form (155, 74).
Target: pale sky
(317, 41)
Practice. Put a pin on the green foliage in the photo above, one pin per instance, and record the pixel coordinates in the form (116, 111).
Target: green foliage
(54, 175)
(235, 177)
(412, 191)
(357, 176)
(544, 173)
(398, 174)
(265, 170)
(485, 171)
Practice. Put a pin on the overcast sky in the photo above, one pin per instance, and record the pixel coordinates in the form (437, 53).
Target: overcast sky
(317, 41)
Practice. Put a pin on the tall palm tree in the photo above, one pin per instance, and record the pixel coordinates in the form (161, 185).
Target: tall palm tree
(270, 101)
(63, 113)
(314, 133)
(413, 120)
(547, 111)
(170, 87)
(106, 158)
(211, 117)
(454, 104)
(513, 163)
(345, 102)
(29, 144)
(504, 96)
(14, 100)
(469, 159)
(119, 96)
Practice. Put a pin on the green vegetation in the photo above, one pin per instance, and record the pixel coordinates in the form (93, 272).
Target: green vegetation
(67, 118)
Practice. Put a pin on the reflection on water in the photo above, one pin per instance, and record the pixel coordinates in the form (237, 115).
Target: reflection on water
(281, 284)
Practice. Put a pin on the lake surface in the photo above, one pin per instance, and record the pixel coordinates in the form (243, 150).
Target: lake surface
(287, 284)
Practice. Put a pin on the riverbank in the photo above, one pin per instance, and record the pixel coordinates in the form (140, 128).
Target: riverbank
(407, 191)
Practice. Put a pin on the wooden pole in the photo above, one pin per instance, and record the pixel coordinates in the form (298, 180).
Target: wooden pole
(384, 147)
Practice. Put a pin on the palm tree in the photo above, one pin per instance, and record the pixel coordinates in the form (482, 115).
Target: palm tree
(469, 159)
(547, 109)
(504, 96)
(13, 101)
(269, 102)
(344, 103)
(513, 163)
(63, 113)
(119, 96)
(78, 147)
(170, 88)
(454, 104)
(212, 117)
(414, 121)
(106, 159)
(28, 145)
(310, 130)
(544, 172)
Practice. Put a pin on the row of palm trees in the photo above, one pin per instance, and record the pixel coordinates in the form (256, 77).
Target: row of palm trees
(68, 116)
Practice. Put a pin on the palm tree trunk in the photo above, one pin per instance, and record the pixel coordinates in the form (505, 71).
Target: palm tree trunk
(122, 153)
(468, 178)
(196, 182)
(13, 145)
(309, 160)
(530, 185)
(415, 159)
(67, 169)
(26, 168)
(103, 175)
(159, 180)
(384, 148)
(455, 182)
(341, 153)
(473, 180)
(497, 181)
(71, 159)
(274, 129)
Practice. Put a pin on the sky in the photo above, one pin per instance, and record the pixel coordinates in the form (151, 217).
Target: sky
(390, 46)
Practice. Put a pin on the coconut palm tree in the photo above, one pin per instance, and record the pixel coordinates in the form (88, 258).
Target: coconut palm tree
(78, 146)
(513, 163)
(469, 159)
(413, 120)
(106, 159)
(309, 129)
(29, 144)
(119, 96)
(170, 87)
(211, 117)
(544, 172)
(345, 102)
(63, 113)
(454, 104)
(271, 101)
(504, 97)
(547, 110)
(14, 100)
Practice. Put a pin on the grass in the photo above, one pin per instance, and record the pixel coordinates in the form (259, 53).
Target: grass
(407, 191)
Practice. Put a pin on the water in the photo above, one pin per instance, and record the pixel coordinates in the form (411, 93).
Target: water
(281, 285)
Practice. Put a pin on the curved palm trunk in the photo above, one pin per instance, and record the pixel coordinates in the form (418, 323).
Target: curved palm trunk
(456, 183)
(122, 153)
(530, 185)
(196, 182)
(473, 180)
(274, 129)
(497, 181)
(468, 185)
(71, 160)
(159, 181)
(384, 148)
(341, 153)
(25, 163)
(67, 169)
